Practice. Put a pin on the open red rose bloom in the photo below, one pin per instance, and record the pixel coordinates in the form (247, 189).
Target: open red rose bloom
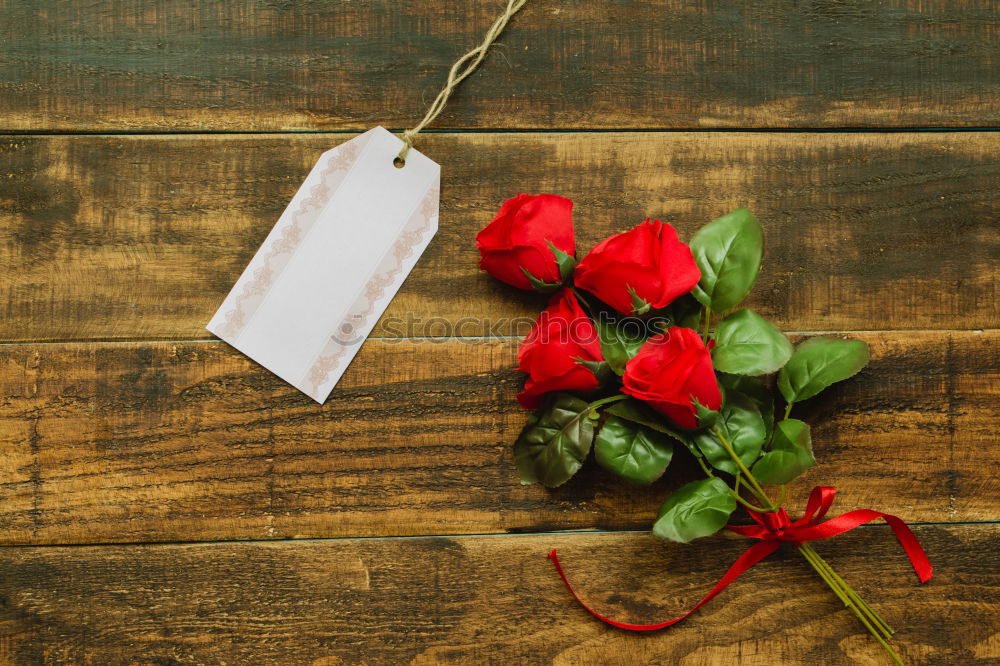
(642, 348)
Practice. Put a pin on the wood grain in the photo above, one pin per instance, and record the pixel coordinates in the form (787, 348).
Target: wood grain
(122, 423)
(121, 442)
(118, 238)
(488, 600)
(279, 65)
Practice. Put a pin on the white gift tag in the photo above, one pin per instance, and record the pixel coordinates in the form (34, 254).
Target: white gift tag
(334, 260)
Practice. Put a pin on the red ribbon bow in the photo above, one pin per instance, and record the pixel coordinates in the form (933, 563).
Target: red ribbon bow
(771, 530)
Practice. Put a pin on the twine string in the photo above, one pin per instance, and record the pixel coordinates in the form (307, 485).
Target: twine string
(464, 66)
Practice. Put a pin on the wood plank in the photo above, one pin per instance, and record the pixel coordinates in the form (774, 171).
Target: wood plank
(492, 600)
(125, 442)
(276, 65)
(141, 237)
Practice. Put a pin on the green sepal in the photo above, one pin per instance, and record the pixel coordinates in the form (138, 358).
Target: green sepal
(637, 454)
(538, 285)
(791, 454)
(565, 262)
(697, 509)
(555, 441)
(707, 417)
(639, 306)
(601, 369)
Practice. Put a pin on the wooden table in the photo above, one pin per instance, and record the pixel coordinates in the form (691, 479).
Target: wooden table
(167, 501)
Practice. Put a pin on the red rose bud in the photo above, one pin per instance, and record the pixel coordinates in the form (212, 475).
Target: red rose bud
(555, 351)
(530, 244)
(639, 269)
(670, 371)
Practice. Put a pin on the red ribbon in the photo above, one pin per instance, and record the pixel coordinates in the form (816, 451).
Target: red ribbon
(771, 530)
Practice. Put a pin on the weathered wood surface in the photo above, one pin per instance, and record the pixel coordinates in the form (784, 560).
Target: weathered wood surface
(121, 442)
(160, 434)
(488, 600)
(279, 65)
(115, 237)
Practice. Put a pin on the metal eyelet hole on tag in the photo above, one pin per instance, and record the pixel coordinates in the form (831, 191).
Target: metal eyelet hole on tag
(398, 162)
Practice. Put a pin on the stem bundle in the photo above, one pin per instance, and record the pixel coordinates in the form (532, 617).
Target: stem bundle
(865, 613)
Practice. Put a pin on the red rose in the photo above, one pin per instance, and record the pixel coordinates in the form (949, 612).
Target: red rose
(669, 370)
(647, 265)
(520, 239)
(561, 335)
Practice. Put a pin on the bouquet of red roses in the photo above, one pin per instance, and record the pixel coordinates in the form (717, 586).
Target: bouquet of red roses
(642, 353)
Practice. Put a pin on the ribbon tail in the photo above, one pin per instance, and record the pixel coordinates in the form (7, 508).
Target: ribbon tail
(911, 546)
(749, 558)
(848, 521)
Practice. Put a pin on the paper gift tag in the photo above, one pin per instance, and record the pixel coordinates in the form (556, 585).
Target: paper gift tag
(330, 266)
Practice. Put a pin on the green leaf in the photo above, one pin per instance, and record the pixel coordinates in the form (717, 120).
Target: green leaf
(695, 510)
(791, 454)
(743, 427)
(638, 412)
(819, 362)
(618, 343)
(565, 262)
(748, 344)
(631, 451)
(728, 252)
(555, 441)
(757, 391)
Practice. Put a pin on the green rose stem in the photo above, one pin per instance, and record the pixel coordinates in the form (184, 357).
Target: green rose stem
(886, 630)
(865, 613)
(749, 479)
(707, 325)
(735, 493)
(580, 297)
(862, 610)
(603, 401)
